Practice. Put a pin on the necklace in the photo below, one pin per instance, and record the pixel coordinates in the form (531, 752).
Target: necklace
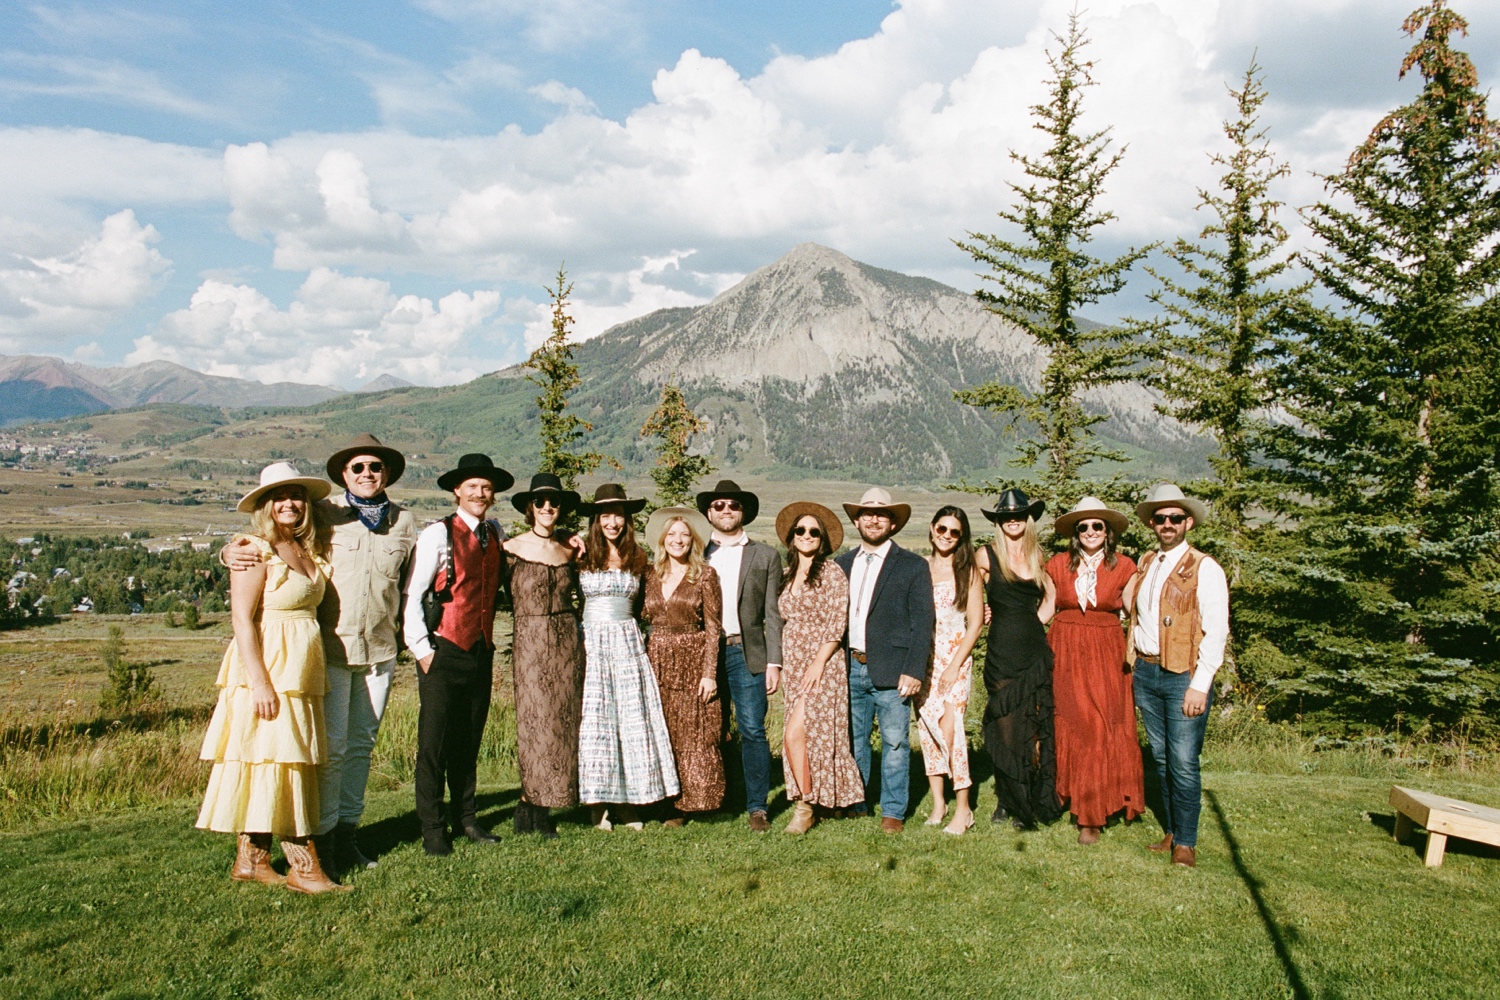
(538, 531)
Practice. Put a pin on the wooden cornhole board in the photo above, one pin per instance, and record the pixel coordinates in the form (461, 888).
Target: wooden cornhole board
(1443, 818)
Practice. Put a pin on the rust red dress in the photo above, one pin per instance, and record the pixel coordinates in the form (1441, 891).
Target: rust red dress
(1098, 759)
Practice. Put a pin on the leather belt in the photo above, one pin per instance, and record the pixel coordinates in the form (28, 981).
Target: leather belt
(1155, 661)
(734, 640)
(858, 654)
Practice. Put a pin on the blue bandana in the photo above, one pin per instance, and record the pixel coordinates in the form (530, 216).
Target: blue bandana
(372, 511)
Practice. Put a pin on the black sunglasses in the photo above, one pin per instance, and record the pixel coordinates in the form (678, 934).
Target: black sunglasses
(1089, 526)
(722, 505)
(545, 502)
(358, 467)
(1164, 518)
(801, 530)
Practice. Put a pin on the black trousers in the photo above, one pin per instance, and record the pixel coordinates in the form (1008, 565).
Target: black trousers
(455, 695)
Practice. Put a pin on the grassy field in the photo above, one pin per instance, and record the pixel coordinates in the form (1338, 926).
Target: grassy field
(106, 890)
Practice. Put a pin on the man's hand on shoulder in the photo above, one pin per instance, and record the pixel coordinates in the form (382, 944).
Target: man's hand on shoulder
(240, 555)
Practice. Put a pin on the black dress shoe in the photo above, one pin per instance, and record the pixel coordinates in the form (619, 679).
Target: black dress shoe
(999, 815)
(479, 834)
(523, 821)
(436, 845)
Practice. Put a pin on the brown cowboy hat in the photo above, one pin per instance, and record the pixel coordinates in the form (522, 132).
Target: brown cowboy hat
(728, 489)
(476, 466)
(787, 519)
(611, 496)
(366, 444)
(876, 498)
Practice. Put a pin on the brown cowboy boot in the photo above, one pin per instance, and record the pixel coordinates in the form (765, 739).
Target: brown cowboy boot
(305, 874)
(252, 863)
(802, 818)
(1162, 846)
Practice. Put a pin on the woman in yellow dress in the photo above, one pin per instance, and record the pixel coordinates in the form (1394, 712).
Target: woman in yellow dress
(266, 737)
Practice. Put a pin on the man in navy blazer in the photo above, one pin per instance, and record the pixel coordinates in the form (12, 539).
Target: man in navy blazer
(889, 641)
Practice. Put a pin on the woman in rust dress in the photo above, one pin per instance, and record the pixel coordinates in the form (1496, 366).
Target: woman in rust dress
(1098, 759)
(684, 607)
(816, 751)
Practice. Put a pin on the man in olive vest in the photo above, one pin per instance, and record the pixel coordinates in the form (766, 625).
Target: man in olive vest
(1179, 623)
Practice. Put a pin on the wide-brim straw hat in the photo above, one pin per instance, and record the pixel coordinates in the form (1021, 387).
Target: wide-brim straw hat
(876, 498)
(1170, 495)
(789, 515)
(1014, 503)
(1087, 508)
(611, 496)
(476, 466)
(283, 474)
(728, 489)
(366, 444)
(545, 484)
(661, 517)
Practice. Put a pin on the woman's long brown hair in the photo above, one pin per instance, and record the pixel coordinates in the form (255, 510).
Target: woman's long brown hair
(1075, 549)
(632, 557)
(963, 554)
(793, 556)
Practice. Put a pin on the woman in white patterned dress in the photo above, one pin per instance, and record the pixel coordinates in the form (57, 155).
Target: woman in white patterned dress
(959, 598)
(624, 750)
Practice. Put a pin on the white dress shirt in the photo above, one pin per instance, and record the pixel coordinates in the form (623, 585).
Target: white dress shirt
(432, 555)
(864, 573)
(727, 556)
(1213, 612)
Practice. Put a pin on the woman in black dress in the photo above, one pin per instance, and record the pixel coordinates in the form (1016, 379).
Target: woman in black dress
(1018, 726)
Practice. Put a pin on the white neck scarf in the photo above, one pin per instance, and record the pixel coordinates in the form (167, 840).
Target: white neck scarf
(1088, 579)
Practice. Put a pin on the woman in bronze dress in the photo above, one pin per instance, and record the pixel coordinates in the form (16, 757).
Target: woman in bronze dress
(547, 652)
(683, 607)
(816, 751)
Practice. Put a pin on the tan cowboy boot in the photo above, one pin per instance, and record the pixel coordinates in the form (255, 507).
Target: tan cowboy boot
(802, 818)
(305, 874)
(252, 863)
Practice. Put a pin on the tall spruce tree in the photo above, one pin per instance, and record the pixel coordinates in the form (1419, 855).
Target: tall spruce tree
(1389, 591)
(1045, 277)
(673, 424)
(551, 368)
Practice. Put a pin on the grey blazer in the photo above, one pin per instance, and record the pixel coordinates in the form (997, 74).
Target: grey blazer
(760, 619)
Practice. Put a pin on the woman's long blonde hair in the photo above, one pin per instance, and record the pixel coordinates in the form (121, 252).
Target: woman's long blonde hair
(695, 560)
(1030, 547)
(305, 531)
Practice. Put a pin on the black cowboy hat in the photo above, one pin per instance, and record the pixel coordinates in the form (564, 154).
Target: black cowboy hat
(1014, 503)
(548, 484)
(476, 466)
(611, 496)
(728, 489)
(367, 444)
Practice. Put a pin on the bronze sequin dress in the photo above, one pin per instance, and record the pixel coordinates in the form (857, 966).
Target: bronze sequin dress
(684, 649)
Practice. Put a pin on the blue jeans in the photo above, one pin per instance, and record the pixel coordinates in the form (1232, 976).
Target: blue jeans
(747, 692)
(1176, 742)
(866, 701)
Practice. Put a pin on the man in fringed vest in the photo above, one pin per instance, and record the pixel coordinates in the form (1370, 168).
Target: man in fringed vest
(453, 640)
(1179, 622)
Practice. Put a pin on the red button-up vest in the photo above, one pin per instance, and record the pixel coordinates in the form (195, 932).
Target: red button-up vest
(476, 585)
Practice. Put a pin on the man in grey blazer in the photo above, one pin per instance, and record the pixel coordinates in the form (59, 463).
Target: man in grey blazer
(750, 652)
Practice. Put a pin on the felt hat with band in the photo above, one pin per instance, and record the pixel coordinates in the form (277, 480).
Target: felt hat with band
(611, 496)
(787, 519)
(476, 466)
(366, 444)
(545, 485)
(661, 517)
(1087, 509)
(1170, 495)
(283, 474)
(876, 498)
(1014, 504)
(728, 489)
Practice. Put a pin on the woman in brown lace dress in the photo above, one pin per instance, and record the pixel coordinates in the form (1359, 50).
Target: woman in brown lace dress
(683, 607)
(814, 604)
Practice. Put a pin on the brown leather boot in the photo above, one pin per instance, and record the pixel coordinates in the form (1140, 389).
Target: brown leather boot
(1162, 846)
(802, 818)
(252, 863)
(1187, 857)
(305, 874)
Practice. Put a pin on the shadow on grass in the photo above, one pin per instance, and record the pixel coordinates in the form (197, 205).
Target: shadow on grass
(384, 836)
(1273, 929)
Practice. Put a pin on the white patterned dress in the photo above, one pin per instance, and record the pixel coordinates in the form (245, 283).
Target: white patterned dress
(624, 751)
(938, 757)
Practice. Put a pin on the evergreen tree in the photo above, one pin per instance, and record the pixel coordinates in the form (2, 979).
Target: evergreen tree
(126, 684)
(673, 424)
(1388, 594)
(551, 368)
(1041, 281)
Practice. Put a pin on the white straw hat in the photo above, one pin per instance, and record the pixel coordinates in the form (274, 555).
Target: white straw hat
(283, 474)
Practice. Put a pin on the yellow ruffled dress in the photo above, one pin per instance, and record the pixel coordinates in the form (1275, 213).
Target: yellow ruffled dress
(264, 777)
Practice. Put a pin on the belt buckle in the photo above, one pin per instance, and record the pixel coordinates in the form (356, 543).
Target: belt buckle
(734, 640)
(859, 655)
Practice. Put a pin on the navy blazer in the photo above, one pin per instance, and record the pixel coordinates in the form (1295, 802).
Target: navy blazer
(901, 620)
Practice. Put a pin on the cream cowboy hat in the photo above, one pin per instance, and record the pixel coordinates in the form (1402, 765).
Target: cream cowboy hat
(1090, 507)
(283, 474)
(876, 498)
(1169, 495)
(663, 516)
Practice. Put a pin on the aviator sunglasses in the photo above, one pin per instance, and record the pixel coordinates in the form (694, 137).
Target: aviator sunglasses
(358, 467)
(801, 530)
(1087, 526)
(723, 505)
(943, 531)
(1164, 518)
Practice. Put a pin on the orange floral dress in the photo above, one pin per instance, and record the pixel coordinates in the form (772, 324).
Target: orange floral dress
(933, 701)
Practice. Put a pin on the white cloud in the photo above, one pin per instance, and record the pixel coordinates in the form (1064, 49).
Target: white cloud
(100, 79)
(47, 299)
(549, 25)
(339, 330)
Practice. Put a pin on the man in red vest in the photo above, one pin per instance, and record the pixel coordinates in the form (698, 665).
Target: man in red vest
(457, 567)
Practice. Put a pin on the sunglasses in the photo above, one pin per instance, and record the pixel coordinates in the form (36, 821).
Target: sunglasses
(1164, 518)
(943, 531)
(1087, 526)
(358, 467)
(801, 530)
(723, 505)
(547, 503)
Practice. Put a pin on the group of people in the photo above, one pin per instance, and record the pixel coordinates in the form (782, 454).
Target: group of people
(619, 655)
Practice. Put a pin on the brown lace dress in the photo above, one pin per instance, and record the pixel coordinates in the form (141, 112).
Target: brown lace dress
(548, 658)
(815, 616)
(684, 649)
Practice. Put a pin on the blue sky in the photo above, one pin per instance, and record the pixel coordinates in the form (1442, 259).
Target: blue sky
(325, 192)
